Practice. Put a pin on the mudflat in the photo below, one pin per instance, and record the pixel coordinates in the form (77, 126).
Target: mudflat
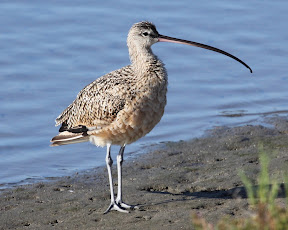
(198, 176)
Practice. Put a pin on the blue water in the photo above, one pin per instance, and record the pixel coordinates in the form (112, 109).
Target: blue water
(51, 49)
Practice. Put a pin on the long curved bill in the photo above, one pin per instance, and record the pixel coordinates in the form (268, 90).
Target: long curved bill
(163, 38)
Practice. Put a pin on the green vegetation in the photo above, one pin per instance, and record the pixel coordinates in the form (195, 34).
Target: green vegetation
(266, 214)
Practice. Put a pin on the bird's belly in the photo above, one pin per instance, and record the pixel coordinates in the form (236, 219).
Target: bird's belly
(130, 125)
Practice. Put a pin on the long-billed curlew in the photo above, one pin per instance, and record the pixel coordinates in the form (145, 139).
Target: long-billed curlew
(124, 105)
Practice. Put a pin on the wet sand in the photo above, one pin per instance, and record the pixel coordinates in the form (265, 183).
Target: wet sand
(201, 175)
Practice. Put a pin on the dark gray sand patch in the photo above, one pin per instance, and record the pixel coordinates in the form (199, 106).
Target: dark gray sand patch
(200, 176)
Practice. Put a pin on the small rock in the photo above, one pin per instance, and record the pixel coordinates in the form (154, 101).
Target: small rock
(147, 217)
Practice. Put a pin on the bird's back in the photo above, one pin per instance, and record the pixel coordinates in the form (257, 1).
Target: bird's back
(100, 101)
(119, 107)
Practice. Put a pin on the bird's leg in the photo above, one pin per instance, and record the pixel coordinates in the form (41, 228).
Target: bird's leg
(113, 205)
(119, 169)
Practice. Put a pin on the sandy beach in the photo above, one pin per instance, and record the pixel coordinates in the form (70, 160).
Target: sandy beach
(200, 176)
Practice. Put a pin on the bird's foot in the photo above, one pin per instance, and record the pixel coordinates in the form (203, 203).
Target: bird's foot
(126, 206)
(116, 207)
(120, 207)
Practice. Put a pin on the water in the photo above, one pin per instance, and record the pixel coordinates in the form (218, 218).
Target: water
(51, 49)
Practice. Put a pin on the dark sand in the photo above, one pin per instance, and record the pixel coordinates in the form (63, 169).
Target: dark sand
(201, 175)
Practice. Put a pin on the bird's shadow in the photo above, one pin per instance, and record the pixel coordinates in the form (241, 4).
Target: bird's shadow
(234, 193)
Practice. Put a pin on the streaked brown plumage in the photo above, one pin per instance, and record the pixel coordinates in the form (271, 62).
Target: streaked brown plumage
(115, 105)
(124, 105)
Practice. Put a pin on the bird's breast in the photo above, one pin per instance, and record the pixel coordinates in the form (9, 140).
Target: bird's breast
(139, 116)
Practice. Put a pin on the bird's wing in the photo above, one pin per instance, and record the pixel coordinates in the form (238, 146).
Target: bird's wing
(98, 104)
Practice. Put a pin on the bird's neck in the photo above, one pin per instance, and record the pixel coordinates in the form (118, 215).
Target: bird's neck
(142, 59)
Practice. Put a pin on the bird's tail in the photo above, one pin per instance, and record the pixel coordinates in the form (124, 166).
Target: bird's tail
(66, 138)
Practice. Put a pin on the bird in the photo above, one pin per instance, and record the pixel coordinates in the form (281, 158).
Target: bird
(124, 105)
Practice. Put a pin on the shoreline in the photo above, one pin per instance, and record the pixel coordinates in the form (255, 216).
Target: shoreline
(200, 175)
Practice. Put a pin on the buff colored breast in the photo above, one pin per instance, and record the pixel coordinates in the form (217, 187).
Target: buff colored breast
(139, 116)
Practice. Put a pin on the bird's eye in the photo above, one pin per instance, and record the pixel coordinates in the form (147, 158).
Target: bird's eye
(145, 34)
